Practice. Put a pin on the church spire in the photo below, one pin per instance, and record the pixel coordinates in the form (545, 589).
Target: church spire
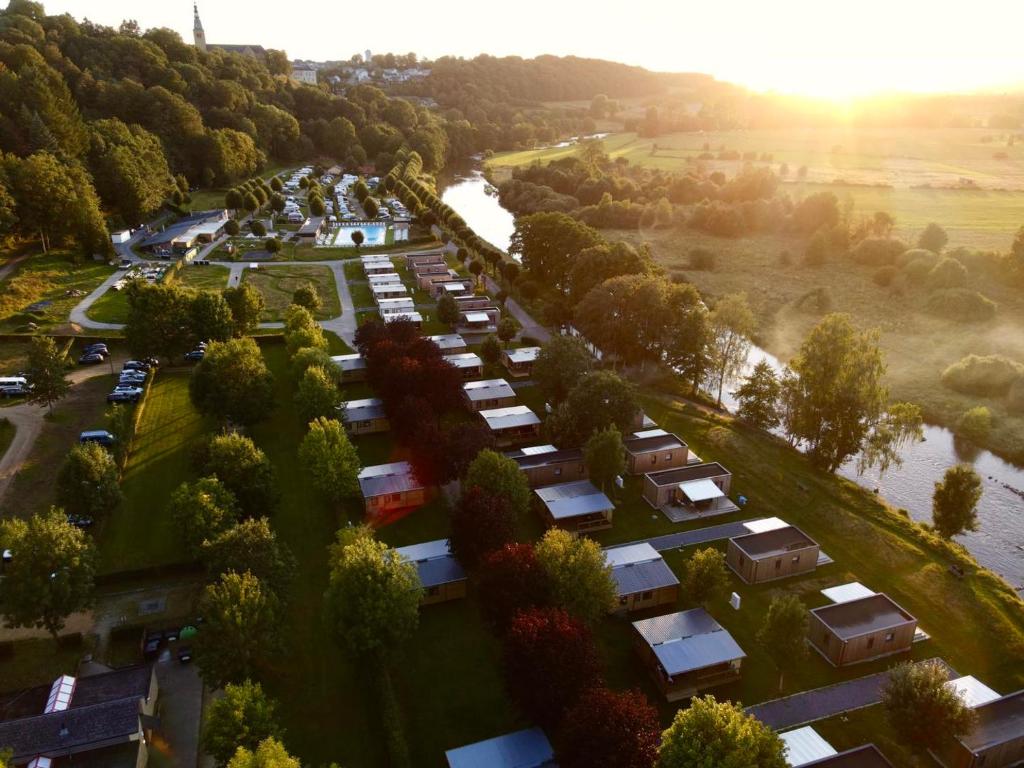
(197, 29)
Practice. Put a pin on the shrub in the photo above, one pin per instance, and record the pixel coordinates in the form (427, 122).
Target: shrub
(877, 251)
(975, 423)
(961, 305)
(702, 259)
(917, 254)
(884, 276)
(984, 376)
(948, 273)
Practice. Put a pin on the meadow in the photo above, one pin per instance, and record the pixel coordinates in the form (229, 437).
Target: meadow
(44, 288)
(277, 285)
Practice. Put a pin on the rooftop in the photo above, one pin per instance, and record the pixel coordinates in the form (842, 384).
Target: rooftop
(687, 474)
(866, 756)
(652, 440)
(860, 617)
(542, 455)
(382, 479)
(434, 562)
(688, 640)
(509, 418)
(575, 499)
(363, 410)
(522, 749)
(476, 317)
(775, 542)
(311, 226)
(488, 389)
(805, 745)
(523, 354)
(638, 568)
(465, 360)
(999, 721)
(973, 692)
(352, 362)
(448, 341)
(388, 288)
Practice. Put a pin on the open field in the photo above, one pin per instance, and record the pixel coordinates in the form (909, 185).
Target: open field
(209, 277)
(278, 283)
(878, 170)
(111, 307)
(52, 278)
(918, 346)
(138, 533)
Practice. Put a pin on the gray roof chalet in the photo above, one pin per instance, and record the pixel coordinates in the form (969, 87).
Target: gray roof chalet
(544, 455)
(522, 354)
(353, 362)
(448, 341)
(652, 440)
(488, 389)
(363, 410)
(522, 749)
(509, 418)
(382, 479)
(434, 562)
(775, 542)
(688, 474)
(575, 499)
(688, 641)
(999, 721)
(860, 617)
(639, 568)
(867, 756)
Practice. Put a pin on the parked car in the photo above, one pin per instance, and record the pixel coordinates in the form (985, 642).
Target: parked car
(98, 348)
(90, 358)
(15, 390)
(195, 355)
(185, 654)
(136, 365)
(101, 436)
(151, 645)
(125, 264)
(120, 396)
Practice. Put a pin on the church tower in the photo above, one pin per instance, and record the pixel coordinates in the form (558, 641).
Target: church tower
(197, 30)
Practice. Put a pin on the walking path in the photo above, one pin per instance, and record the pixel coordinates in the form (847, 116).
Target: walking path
(530, 326)
(696, 536)
(820, 703)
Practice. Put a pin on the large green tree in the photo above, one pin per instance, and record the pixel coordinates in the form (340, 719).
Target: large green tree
(250, 545)
(129, 168)
(955, 501)
(758, 397)
(601, 399)
(51, 573)
(269, 754)
(783, 633)
(732, 324)
(159, 321)
(921, 707)
(705, 576)
(712, 733)
(580, 577)
(244, 469)
(330, 459)
(241, 718)
(560, 364)
(246, 304)
(498, 475)
(88, 482)
(317, 395)
(549, 243)
(605, 456)
(202, 510)
(47, 372)
(233, 382)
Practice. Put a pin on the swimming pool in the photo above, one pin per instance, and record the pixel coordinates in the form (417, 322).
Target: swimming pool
(373, 234)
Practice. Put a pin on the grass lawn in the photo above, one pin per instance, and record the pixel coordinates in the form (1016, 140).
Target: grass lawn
(7, 431)
(204, 278)
(52, 278)
(33, 661)
(139, 533)
(278, 283)
(918, 346)
(362, 296)
(111, 307)
(13, 355)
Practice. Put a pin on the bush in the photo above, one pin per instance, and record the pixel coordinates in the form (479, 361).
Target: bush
(917, 254)
(984, 376)
(702, 259)
(961, 305)
(877, 251)
(884, 276)
(948, 273)
(975, 424)
(258, 228)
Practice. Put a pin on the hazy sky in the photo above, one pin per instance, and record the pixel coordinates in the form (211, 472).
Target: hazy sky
(815, 47)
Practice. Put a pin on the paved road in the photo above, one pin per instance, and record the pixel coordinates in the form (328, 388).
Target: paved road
(820, 703)
(696, 536)
(530, 326)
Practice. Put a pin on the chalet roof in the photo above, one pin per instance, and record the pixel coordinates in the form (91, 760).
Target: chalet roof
(772, 543)
(639, 568)
(543, 455)
(998, 722)
(509, 418)
(687, 474)
(488, 389)
(688, 640)
(860, 617)
(382, 479)
(434, 562)
(523, 749)
(652, 441)
(576, 499)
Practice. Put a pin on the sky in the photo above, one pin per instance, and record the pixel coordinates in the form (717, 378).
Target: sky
(815, 48)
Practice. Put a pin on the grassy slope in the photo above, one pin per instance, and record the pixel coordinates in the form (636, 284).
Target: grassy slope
(139, 533)
(50, 278)
(277, 284)
(918, 346)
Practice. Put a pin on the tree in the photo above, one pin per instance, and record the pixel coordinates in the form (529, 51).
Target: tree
(234, 200)
(158, 321)
(51, 573)
(610, 729)
(549, 661)
(46, 371)
(836, 393)
(705, 576)
(883, 447)
(497, 475)
(719, 734)
(258, 228)
(511, 580)
(955, 502)
(202, 510)
(250, 545)
(507, 329)
(308, 357)
(580, 577)
(269, 754)
(975, 423)
(758, 397)
(372, 601)
(232, 382)
(921, 707)
(480, 524)
(241, 620)
(548, 244)
(600, 399)
(242, 718)
(210, 317)
(476, 268)
(933, 238)
(605, 456)
(357, 238)
(272, 245)
(331, 459)
(784, 632)
(732, 323)
(88, 481)
(307, 296)
(244, 470)
(561, 363)
(246, 304)
(448, 310)
(490, 349)
(317, 395)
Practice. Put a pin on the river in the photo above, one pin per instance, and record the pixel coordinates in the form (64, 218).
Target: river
(998, 545)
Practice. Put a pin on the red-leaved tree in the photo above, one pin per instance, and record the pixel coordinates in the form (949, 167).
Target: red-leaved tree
(610, 729)
(511, 580)
(480, 524)
(550, 659)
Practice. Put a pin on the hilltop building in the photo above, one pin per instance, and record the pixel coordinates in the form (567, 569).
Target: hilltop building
(199, 36)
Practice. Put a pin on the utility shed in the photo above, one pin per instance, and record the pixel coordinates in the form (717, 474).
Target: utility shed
(391, 487)
(997, 739)
(861, 630)
(440, 574)
(687, 652)
(642, 577)
(548, 465)
(866, 756)
(805, 745)
(522, 749)
(770, 555)
(578, 507)
(652, 450)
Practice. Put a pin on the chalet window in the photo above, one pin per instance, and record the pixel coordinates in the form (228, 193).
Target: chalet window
(743, 561)
(433, 591)
(778, 565)
(654, 459)
(796, 558)
(825, 638)
(558, 471)
(623, 600)
(668, 457)
(396, 497)
(871, 643)
(890, 636)
(647, 595)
